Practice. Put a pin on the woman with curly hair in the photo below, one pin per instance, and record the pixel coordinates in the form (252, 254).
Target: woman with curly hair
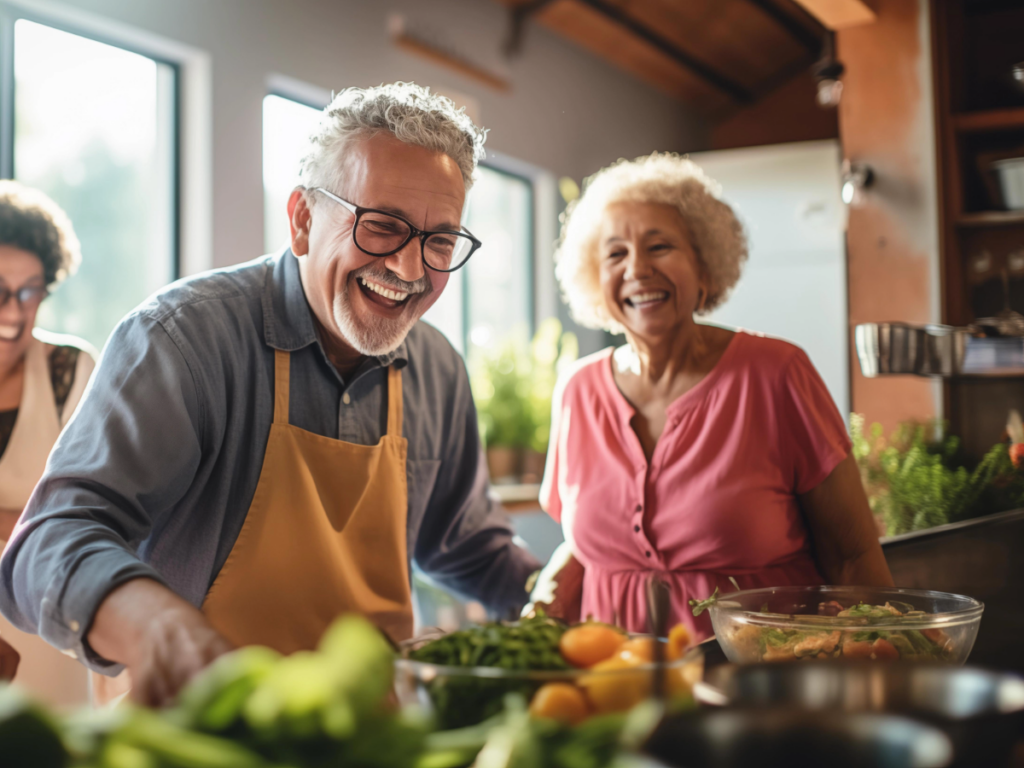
(42, 377)
(694, 452)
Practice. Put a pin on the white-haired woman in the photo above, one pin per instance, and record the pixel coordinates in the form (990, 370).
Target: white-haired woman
(694, 452)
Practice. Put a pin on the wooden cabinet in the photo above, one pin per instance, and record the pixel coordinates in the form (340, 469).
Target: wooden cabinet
(980, 121)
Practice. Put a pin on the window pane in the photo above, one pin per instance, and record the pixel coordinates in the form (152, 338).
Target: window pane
(94, 129)
(500, 291)
(287, 126)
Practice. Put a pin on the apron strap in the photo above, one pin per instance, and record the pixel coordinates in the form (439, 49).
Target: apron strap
(282, 374)
(394, 401)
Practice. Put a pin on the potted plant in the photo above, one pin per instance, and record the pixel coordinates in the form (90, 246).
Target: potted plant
(512, 385)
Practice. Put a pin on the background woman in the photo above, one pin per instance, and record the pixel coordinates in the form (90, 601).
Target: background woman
(42, 377)
(693, 451)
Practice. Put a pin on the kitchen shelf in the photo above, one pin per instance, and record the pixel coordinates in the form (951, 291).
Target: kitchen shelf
(990, 219)
(988, 120)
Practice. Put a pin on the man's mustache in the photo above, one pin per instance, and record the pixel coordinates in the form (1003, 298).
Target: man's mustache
(389, 279)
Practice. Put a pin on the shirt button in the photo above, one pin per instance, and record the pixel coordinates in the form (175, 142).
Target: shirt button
(647, 554)
(74, 625)
(346, 399)
(639, 507)
(636, 529)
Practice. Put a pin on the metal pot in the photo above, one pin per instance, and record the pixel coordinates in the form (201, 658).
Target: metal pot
(982, 712)
(744, 738)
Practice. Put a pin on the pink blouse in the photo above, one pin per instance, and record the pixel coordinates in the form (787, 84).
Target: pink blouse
(719, 498)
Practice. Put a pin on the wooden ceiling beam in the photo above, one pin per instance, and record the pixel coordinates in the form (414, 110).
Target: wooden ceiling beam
(796, 30)
(708, 74)
(839, 14)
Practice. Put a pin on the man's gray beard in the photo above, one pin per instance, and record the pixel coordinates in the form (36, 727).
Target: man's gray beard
(379, 336)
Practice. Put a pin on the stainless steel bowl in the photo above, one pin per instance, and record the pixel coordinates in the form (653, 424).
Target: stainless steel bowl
(981, 711)
(794, 739)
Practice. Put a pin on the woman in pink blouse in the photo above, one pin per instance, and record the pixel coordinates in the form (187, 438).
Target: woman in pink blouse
(694, 452)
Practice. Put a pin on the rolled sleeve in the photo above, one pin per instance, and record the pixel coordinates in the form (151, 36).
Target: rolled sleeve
(128, 455)
(466, 542)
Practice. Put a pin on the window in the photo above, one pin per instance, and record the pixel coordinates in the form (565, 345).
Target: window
(287, 125)
(492, 295)
(95, 128)
(485, 300)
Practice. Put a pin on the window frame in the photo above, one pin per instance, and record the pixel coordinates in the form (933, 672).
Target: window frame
(10, 13)
(507, 166)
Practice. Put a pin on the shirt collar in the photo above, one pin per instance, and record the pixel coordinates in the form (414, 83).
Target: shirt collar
(287, 318)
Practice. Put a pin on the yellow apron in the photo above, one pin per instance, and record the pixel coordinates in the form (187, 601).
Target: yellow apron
(325, 535)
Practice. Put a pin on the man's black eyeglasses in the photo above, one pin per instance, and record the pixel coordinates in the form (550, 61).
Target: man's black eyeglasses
(379, 233)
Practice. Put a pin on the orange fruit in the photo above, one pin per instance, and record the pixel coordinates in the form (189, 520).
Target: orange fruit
(587, 644)
(560, 701)
(678, 642)
(615, 684)
(638, 648)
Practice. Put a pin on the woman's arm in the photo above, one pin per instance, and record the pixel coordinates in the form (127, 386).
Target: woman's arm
(9, 659)
(8, 519)
(843, 528)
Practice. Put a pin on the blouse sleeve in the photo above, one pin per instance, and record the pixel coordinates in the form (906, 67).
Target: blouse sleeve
(812, 433)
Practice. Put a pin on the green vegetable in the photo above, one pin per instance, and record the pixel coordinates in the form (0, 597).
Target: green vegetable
(914, 481)
(529, 644)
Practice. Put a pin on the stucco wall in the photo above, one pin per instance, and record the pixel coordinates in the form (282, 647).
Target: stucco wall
(886, 119)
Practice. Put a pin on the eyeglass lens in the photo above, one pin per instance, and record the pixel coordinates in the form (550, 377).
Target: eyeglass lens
(380, 234)
(29, 296)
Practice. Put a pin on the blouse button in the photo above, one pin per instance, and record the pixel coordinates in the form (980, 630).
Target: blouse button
(639, 507)
(636, 529)
(647, 554)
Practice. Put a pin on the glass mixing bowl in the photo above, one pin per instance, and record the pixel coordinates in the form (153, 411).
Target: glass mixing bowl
(798, 623)
(461, 696)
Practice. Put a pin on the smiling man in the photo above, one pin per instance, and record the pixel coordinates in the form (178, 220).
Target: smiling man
(268, 446)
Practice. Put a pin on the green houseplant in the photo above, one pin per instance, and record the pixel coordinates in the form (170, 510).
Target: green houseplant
(512, 386)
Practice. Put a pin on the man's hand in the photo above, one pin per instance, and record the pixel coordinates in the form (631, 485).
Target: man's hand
(9, 659)
(559, 588)
(163, 640)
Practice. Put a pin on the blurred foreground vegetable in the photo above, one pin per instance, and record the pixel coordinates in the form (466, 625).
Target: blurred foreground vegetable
(252, 708)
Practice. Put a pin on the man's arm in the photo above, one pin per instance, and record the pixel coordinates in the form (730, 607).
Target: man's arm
(127, 457)
(465, 541)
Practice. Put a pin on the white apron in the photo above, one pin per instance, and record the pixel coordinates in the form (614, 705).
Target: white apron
(46, 673)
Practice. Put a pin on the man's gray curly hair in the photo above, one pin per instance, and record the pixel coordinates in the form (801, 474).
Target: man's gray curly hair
(409, 112)
(717, 235)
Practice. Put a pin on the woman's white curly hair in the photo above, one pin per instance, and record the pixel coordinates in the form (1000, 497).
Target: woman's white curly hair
(718, 237)
(411, 113)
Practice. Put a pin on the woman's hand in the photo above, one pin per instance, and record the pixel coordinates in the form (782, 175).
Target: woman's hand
(9, 659)
(559, 588)
(163, 640)
(845, 535)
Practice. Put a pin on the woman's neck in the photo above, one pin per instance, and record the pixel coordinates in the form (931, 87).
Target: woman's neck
(663, 359)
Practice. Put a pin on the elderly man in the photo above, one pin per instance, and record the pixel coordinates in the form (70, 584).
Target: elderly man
(266, 447)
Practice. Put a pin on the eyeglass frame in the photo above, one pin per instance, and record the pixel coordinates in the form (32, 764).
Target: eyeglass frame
(414, 231)
(16, 295)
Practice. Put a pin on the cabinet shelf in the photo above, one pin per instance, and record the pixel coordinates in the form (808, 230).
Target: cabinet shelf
(988, 120)
(990, 219)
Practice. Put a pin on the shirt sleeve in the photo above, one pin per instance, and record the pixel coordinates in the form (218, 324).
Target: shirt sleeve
(466, 542)
(812, 433)
(128, 455)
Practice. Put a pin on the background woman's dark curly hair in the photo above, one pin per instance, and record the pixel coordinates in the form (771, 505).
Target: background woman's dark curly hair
(31, 221)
